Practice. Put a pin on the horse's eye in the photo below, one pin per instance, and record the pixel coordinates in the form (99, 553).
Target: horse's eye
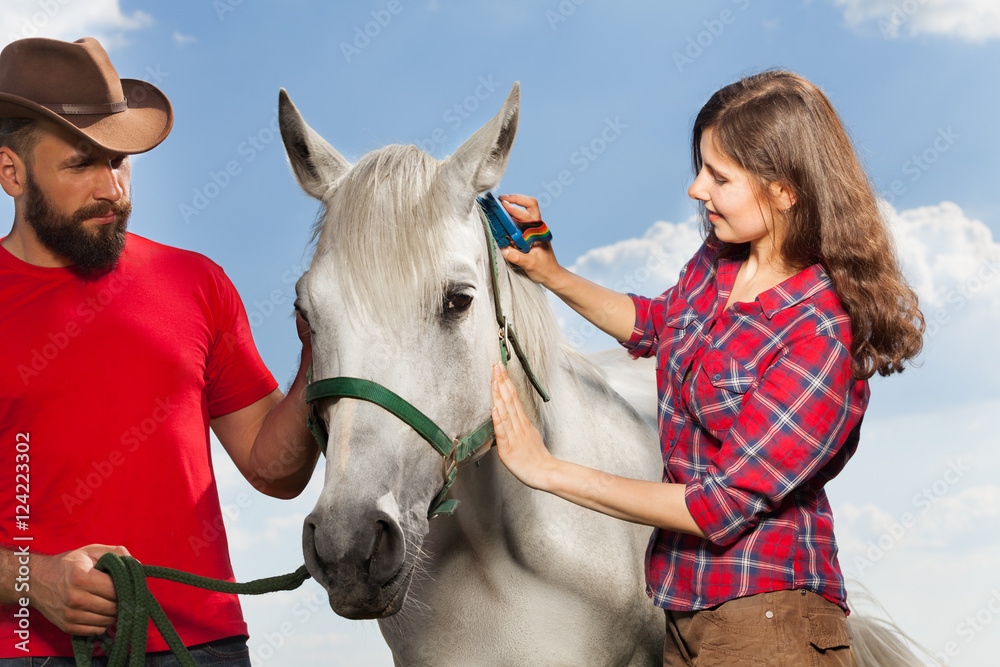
(457, 303)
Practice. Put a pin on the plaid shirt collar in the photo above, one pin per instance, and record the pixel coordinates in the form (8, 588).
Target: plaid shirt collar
(785, 294)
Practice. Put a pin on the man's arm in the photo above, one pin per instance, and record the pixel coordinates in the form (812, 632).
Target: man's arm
(268, 440)
(66, 588)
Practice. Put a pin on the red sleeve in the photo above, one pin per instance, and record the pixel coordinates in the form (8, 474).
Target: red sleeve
(236, 375)
(650, 313)
(806, 407)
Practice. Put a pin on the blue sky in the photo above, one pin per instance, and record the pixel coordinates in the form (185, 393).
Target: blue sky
(609, 91)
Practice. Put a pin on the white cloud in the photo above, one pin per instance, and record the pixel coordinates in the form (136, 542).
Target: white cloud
(69, 20)
(931, 522)
(953, 262)
(917, 519)
(299, 628)
(943, 558)
(255, 531)
(227, 477)
(647, 265)
(970, 20)
(652, 262)
(947, 256)
(184, 39)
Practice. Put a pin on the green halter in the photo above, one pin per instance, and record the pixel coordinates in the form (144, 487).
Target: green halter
(453, 450)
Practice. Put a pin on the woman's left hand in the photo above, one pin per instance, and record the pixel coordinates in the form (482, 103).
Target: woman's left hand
(519, 444)
(520, 447)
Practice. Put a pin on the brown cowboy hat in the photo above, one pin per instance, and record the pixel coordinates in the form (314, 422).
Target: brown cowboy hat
(74, 85)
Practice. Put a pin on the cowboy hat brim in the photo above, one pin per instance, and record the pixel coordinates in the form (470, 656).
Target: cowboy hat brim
(141, 127)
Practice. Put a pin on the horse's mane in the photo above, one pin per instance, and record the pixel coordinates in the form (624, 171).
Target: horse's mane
(537, 330)
(381, 227)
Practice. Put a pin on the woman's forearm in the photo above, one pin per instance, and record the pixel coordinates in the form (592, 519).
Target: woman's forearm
(611, 312)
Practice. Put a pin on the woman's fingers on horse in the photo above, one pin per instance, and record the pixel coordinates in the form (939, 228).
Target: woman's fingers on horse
(499, 406)
(525, 209)
(500, 412)
(506, 402)
(504, 408)
(512, 402)
(512, 254)
(500, 424)
(507, 392)
(499, 430)
(516, 409)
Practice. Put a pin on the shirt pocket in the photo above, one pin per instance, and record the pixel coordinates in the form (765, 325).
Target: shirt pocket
(717, 391)
(673, 354)
(828, 631)
(680, 315)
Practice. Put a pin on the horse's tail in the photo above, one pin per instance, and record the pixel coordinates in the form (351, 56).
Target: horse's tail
(879, 642)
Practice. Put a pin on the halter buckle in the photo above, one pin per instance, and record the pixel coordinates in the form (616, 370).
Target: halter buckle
(450, 462)
(504, 333)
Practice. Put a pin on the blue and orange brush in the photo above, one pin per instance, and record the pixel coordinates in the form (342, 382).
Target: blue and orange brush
(506, 231)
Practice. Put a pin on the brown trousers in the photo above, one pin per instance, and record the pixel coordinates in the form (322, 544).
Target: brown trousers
(779, 629)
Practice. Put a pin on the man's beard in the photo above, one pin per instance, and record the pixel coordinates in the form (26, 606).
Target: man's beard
(93, 252)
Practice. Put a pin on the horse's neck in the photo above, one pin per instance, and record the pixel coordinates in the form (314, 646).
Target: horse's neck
(586, 422)
(593, 424)
(512, 557)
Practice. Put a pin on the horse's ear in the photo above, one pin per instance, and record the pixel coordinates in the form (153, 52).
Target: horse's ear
(479, 163)
(316, 163)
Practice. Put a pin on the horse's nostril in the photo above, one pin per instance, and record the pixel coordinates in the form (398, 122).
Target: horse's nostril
(312, 557)
(387, 552)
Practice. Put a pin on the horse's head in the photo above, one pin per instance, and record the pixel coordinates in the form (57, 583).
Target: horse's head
(399, 293)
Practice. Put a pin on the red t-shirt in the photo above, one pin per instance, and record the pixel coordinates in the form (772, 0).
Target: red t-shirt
(106, 391)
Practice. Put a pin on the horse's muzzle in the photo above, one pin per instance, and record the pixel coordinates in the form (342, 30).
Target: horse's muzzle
(365, 573)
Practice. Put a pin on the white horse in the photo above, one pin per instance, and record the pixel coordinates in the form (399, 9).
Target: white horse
(399, 293)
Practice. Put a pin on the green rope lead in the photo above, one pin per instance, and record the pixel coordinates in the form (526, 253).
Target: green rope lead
(136, 606)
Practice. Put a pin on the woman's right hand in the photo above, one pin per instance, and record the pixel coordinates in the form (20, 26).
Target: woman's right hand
(610, 311)
(539, 263)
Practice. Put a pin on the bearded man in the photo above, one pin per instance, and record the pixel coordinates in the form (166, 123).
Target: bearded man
(118, 354)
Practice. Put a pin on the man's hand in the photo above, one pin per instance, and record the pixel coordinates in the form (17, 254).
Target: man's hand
(70, 592)
(302, 329)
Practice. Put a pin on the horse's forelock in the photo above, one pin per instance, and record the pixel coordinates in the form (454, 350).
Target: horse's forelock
(380, 228)
(384, 227)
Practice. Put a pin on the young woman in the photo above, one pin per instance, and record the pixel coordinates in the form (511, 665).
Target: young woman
(763, 352)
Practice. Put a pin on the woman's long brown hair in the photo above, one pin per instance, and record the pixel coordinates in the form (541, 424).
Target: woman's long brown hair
(780, 127)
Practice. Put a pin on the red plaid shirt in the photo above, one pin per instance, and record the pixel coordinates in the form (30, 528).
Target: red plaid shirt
(757, 411)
